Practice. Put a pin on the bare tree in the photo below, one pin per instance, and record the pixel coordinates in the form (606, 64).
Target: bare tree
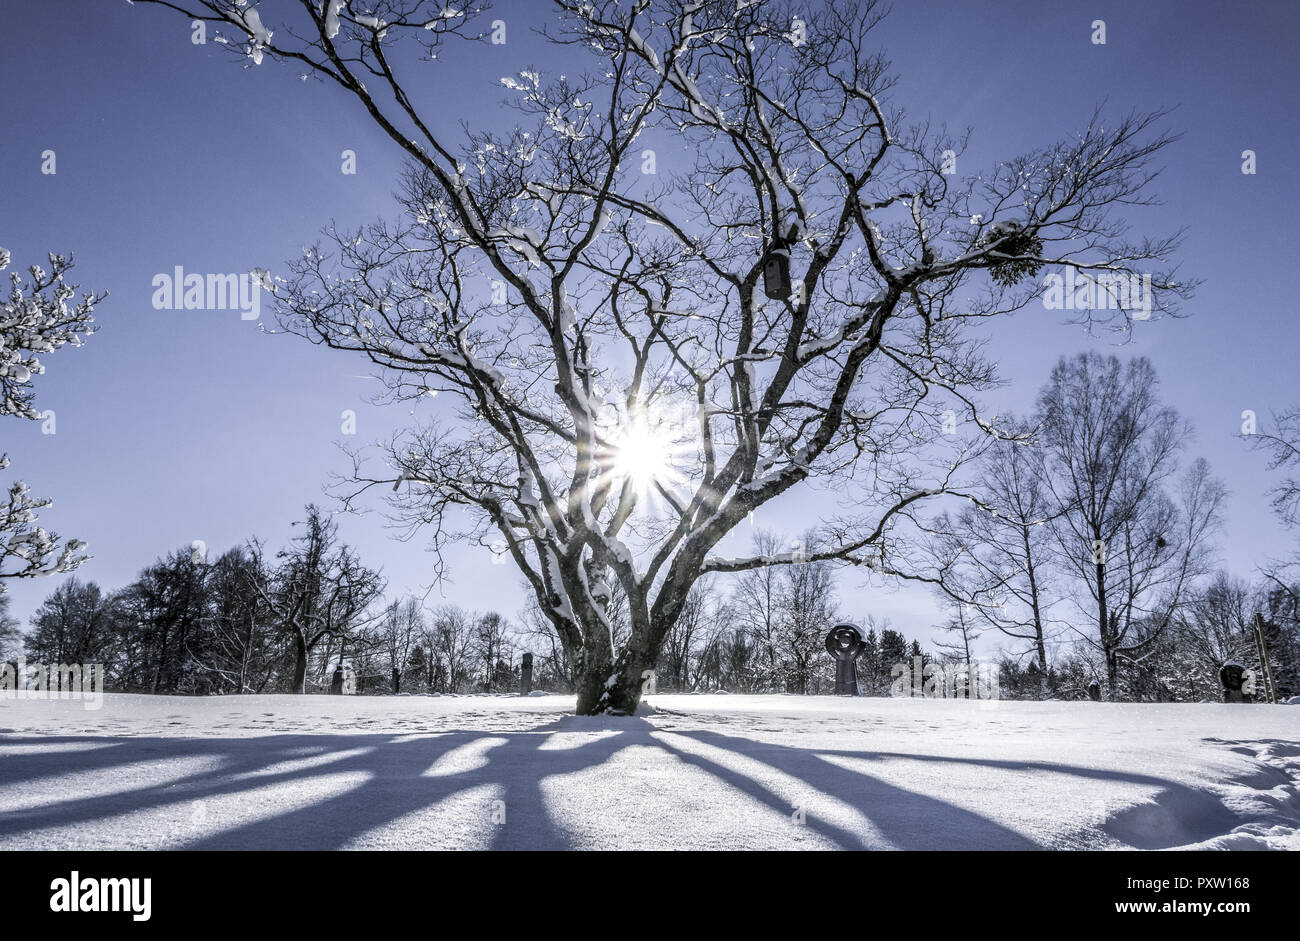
(166, 607)
(319, 590)
(399, 628)
(454, 646)
(494, 648)
(756, 604)
(728, 663)
(551, 668)
(73, 625)
(236, 634)
(427, 641)
(808, 613)
(964, 628)
(994, 556)
(641, 367)
(785, 611)
(1215, 626)
(695, 632)
(1113, 452)
(1282, 442)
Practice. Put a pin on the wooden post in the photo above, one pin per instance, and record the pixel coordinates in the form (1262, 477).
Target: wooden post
(526, 675)
(1267, 668)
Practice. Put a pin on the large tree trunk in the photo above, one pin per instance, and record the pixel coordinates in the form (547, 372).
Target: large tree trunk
(610, 682)
(1105, 631)
(300, 663)
(613, 687)
(1112, 675)
(1044, 690)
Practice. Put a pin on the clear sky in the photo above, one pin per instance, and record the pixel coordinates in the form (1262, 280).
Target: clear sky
(175, 426)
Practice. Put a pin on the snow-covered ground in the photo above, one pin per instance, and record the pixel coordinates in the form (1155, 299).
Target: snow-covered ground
(712, 772)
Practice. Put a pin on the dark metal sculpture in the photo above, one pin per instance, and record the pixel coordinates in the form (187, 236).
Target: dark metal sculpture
(844, 643)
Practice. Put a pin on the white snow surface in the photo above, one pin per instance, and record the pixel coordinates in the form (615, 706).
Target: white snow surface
(699, 772)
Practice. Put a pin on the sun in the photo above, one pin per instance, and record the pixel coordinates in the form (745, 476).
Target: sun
(642, 455)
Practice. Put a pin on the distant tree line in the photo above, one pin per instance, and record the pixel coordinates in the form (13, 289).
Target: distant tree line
(1086, 551)
(1088, 548)
(249, 622)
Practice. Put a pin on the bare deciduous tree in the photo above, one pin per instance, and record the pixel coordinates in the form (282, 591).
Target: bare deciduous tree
(1113, 454)
(1282, 442)
(401, 626)
(494, 650)
(1214, 627)
(631, 386)
(454, 646)
(756, 602)
(994, 556)
(697, 630)
(319, 590)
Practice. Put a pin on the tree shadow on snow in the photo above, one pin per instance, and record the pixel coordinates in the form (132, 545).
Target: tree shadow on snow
(396, 778)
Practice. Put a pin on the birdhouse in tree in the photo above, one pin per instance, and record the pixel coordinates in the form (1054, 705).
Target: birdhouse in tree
(776, 274)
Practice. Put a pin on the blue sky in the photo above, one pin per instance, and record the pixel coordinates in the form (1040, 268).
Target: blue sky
(174, 426)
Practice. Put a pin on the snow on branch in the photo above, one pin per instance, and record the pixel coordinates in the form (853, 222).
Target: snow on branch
(37, 317)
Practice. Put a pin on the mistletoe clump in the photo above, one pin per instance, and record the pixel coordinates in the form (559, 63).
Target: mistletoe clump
(1015, 252)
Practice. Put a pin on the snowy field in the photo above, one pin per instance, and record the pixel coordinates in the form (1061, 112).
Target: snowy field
(700, 772)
